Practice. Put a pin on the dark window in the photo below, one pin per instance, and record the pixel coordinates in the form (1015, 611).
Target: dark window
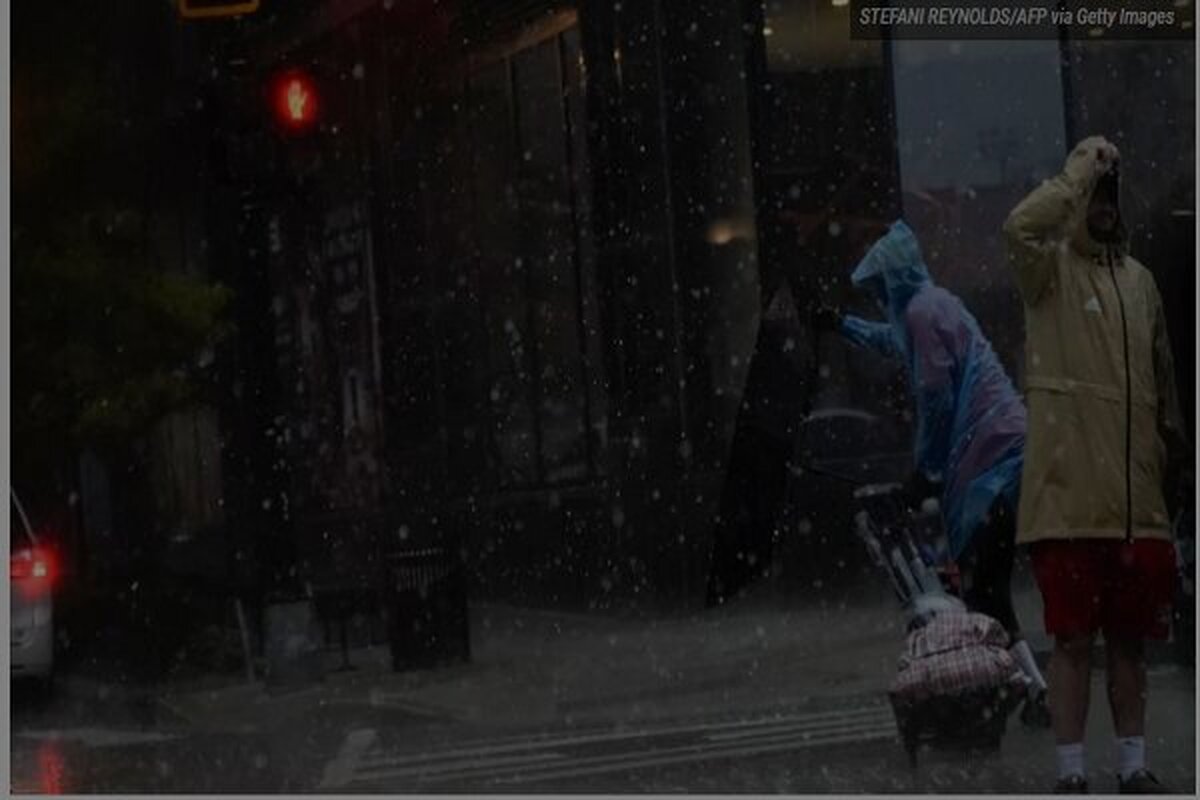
(503, 277)
(511, 155)
(968, 153)
(549, 241)
(828, 176)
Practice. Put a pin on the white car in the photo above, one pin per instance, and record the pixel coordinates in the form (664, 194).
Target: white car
(31, 580)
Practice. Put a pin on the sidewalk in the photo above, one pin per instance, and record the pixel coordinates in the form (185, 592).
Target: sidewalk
(539, 667)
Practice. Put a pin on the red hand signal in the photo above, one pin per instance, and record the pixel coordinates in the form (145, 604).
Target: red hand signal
(294, 100)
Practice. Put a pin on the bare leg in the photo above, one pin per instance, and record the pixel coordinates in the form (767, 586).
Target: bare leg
(1127, 686)
(1070, 682)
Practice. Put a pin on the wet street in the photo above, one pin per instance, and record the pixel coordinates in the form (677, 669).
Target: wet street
(526, 397)
(303, 742)
(72, 744)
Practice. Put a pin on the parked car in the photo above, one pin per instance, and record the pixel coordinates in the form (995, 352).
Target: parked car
(31, 583)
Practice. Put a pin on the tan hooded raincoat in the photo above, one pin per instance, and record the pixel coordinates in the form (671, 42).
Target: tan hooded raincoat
(1099, 376)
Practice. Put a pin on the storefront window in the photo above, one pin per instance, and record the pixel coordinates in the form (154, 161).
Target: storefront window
(828, 174)
(506, 161)
(551, 246)
(950, 136)
(978, 124)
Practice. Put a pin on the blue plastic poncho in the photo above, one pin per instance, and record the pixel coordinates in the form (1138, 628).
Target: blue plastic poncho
(970, 419)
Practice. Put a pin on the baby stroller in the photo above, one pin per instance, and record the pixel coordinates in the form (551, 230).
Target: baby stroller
(957, 682)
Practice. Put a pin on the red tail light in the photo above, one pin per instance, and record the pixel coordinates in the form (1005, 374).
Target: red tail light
(31, 563)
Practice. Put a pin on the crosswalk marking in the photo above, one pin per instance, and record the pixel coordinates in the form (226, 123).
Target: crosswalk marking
(804, 733)
(527, 771)
(596, 766)
(547, 756)
(598, 736)
(436, 769)
(872, 719)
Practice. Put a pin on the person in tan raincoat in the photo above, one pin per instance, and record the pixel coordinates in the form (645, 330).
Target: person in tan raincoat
(1103, 412)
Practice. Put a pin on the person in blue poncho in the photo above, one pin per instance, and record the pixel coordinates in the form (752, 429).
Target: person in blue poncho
(970, 420)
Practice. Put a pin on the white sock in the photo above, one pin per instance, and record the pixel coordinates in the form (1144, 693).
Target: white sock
(1131, 755)
(1028, 664)
(1070, 760)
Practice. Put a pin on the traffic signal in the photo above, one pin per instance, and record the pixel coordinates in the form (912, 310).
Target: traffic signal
(294, 100)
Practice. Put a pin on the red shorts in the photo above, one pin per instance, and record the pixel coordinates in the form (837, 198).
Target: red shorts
(1123, 589)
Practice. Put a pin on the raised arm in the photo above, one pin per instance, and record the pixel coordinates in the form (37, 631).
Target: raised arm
(1040, 223)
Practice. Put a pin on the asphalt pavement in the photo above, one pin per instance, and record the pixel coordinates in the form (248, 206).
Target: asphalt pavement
(838, 744)
(758, 698)
(845, 748)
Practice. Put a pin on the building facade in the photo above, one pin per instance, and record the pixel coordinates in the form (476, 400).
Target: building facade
(510, 288)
